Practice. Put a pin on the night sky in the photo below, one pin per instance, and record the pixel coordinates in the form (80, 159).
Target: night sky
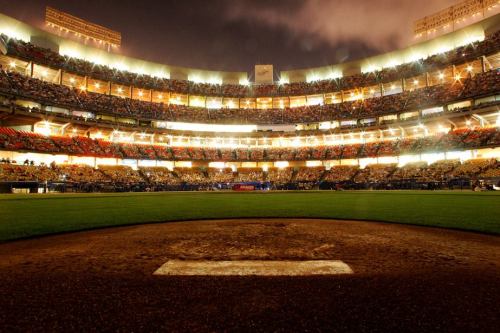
(237, 34)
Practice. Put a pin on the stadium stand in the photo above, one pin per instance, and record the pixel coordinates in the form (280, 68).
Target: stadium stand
(470, 52)
(62, 96)
(445, 105)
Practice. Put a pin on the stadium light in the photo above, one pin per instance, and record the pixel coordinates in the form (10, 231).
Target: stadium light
(283, 81)
(441, 76)
(12, 64)
(97, 85)
(72, 79)
(312, 78)
(469, 68)
(120, 90)
(392, 64)
(442, 129)
(372, 68)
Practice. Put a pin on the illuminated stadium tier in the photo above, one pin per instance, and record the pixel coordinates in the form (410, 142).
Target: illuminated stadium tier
(463, 74)
(444, 141)
(468, 44)
(357, 111)
(39, 62)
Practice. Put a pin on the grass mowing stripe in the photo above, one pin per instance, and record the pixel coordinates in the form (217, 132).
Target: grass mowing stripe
(25, 216)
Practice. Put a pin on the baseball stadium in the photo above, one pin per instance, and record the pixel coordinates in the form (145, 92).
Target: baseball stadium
(360, 195)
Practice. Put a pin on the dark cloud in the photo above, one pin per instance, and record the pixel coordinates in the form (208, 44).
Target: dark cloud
(236, 34)
(382, 25)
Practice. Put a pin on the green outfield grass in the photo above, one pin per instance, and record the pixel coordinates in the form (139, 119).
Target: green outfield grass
(31, 215)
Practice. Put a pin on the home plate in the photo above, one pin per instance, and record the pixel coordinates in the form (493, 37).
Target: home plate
(254, 267)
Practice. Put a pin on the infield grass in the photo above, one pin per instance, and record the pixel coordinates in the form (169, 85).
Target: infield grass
(32, 215)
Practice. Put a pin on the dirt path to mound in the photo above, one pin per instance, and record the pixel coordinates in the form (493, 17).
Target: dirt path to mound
(405, 277)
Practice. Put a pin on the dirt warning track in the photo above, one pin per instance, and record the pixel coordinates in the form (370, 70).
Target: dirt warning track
(400, 277)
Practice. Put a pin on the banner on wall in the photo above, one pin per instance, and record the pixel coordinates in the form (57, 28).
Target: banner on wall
(243, 187)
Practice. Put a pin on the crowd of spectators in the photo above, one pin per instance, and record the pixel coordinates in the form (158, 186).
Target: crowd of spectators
(250, 175)
(159, 177)
(120, 174)
(458, 139)
(309, 174)
(279, 176)
(439, 171)
(374, 173)
(24, 173)
(341, 173)
(47, 57)
(80, 173)
(410, 171)
(14, 85)
(472, 168)
(193, 176)
(224, 175)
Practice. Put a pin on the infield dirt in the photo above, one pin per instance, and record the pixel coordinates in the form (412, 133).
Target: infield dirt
(405, 278)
